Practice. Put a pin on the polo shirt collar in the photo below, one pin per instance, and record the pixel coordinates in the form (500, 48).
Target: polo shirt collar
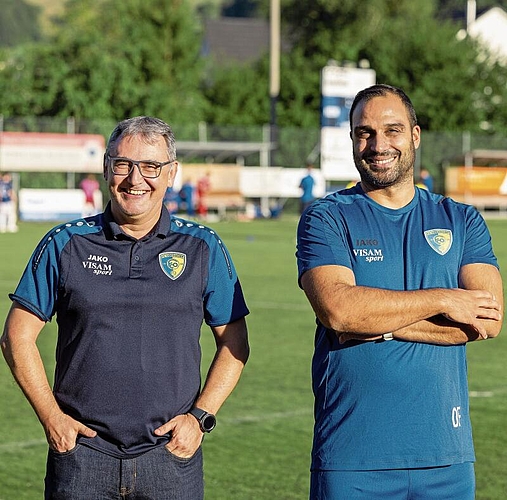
(161, 230)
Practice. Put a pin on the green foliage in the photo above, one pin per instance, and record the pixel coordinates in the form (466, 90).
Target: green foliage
(237, 95)
(452, 87)
(31, 79)
(112, 59)
(435, 69)
(109, 59)
(18, 22)
(131, 57)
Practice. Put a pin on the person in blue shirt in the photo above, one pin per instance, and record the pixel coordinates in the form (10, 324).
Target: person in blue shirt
(130, 289)
(306, 185)
(187, 198)
(426, 179)
(400, 279)
(8, 209)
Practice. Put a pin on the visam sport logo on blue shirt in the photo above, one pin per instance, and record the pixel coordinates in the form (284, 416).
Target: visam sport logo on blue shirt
(172, 263)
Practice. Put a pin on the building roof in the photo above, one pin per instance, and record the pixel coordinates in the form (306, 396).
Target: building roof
(236, 39)
(490, 29)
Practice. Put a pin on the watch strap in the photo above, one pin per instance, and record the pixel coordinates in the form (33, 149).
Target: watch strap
(207, 421)
(197, 413)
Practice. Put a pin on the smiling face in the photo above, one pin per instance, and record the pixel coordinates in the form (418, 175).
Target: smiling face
(136, 202)
(384, 142)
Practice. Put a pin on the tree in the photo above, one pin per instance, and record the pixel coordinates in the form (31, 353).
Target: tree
(407, 46)
(31, 79)
(118, 58)
(237, 93)
(18, 22)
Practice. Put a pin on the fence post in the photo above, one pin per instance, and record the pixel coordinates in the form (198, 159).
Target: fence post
(71, 125)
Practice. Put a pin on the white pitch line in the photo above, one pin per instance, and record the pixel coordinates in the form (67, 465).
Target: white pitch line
(481, 394)
(22, 444)
(268, 416)
(228, 420)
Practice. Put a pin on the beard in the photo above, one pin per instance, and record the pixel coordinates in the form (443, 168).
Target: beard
(385, 177)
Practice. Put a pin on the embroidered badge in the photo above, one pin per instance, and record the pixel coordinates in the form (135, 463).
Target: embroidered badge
(173, 263)
(439, 240)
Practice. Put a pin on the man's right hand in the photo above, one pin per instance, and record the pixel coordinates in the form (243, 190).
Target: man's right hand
(62, 431)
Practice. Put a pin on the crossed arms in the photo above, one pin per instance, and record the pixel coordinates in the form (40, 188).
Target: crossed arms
(438, 316)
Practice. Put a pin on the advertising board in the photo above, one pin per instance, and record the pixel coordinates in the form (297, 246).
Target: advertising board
(339, 85)
(47, 152)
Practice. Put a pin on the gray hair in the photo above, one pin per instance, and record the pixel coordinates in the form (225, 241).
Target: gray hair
(148, 127)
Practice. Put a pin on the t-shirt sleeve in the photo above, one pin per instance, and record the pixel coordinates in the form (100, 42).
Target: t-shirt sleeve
(38, 287)
(478, 247)
(321, 240)
(223, 298)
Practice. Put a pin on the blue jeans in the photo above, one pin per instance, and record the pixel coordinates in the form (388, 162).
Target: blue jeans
(86, 474)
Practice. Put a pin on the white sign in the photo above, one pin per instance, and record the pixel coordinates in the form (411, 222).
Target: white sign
(51, 204)
(44, 152)
(339, 86)
(277, 182)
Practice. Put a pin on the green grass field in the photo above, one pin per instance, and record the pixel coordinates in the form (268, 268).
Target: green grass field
(261, 446)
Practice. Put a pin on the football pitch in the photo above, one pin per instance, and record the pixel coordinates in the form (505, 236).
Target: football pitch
(260, 449)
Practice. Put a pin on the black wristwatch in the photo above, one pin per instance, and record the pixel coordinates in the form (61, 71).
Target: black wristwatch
(207, 421)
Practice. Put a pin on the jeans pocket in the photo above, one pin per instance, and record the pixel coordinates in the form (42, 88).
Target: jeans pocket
(180, 460)
(65, 453)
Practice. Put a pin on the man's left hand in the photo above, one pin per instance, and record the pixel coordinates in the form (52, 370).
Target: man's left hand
(186, 435)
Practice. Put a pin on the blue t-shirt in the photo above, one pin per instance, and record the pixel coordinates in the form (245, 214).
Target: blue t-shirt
(306, 185)
(129, 315)
(5, 191)
(385, 405)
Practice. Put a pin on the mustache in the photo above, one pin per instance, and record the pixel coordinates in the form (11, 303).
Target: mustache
(379, 156)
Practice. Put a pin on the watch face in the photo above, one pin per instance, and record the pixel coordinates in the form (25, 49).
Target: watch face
(209, 422)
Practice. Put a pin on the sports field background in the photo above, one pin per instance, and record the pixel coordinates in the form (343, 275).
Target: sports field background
(261, 446)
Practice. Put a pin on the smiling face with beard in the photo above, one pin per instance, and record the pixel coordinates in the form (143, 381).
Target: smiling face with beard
(384, 142)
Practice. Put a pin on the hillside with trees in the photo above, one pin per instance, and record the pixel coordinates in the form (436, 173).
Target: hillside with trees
(108, 59)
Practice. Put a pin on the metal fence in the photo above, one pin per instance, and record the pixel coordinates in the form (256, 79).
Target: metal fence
(288, 146)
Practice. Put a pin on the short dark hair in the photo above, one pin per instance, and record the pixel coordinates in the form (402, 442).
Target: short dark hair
(382, 90)
(148, 127)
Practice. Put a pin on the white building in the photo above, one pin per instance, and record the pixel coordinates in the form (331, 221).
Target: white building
(490, 29)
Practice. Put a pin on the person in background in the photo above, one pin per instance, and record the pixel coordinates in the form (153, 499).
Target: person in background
(400, 279)
(8, 205)
(90, 185)
(203, 188)
(187, 198)
(171, 200)
(130, 288)
(306, 185)
(426, 179)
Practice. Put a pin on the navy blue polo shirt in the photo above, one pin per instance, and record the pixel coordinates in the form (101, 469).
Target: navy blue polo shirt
(129, 316)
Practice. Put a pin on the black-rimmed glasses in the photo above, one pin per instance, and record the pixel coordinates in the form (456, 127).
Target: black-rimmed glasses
(124, 166)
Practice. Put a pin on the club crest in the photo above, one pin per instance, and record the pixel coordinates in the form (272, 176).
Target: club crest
(439, 240)
(172, 263)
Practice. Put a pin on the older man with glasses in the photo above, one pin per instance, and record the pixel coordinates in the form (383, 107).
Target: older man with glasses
(130, 288)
